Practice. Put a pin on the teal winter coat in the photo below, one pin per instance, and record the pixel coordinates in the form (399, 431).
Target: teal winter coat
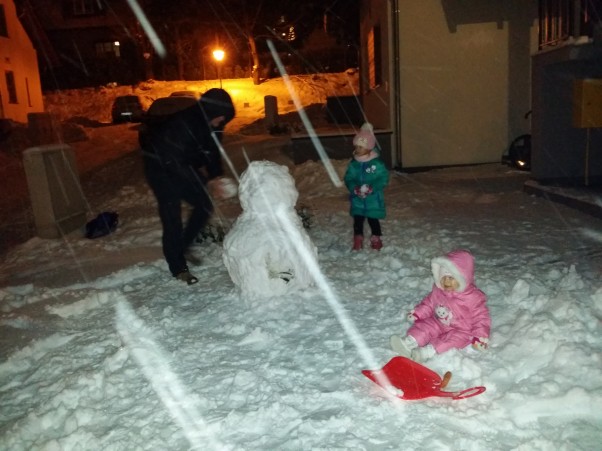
(372, 172)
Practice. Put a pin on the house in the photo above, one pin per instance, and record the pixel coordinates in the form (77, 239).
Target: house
(20, 88)
(449, 78)
(86, 42)
(90, 43)
(452, 81)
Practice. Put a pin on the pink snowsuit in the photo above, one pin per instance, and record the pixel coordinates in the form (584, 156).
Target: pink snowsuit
(452, 319)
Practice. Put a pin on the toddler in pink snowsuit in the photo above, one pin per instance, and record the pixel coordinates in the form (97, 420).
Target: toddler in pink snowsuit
(453, 315)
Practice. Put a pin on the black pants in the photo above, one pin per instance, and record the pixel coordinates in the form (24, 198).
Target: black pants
(170, 189)
(358, 225)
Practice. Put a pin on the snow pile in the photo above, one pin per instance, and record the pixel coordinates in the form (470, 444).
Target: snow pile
(267, 251)
(94, 104)
(102, 349)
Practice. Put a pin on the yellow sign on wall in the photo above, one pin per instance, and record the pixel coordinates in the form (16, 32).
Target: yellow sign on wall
(587, 111)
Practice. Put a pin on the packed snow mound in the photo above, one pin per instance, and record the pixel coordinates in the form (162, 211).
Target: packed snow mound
(94, 104)
(266, 186)
(267, 251)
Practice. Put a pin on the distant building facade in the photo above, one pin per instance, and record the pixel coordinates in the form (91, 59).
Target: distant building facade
(450, 80)
(20, 87)
(84, 43)
(454, 82)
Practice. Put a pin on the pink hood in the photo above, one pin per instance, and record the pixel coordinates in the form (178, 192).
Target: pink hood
(458, 264)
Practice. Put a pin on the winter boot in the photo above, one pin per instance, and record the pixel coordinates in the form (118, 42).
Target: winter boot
(358, 242)
(185, 276)
(403, 346)
(376, 243)
(424, 353)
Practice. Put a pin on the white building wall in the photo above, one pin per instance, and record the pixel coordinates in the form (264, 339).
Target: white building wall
(18, 55)
(454, 88)
(457, 77)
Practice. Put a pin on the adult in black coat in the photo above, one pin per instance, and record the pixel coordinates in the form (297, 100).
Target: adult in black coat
(181, 155)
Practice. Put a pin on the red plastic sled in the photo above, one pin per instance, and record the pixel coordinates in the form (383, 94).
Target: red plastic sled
(415, 380)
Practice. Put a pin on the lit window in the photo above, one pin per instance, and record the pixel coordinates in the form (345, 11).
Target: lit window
(374, 57)
(108, 49)
(559, 20)
(291, 36)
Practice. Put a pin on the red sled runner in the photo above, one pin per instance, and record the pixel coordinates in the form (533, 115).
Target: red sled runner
(416, 381)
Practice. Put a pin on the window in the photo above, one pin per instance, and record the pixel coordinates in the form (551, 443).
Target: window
(28, 93)
(82, 7)
(374, 58)
(554, 21)
(3, 27)
(108, 49)
(560, 20)
(10, 86)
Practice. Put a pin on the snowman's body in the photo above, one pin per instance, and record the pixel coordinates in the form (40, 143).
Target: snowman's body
(267, 251)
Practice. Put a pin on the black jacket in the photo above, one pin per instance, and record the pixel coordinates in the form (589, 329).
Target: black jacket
(185, 138)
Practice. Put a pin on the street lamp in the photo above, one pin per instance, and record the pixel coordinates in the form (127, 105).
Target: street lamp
(218, 55)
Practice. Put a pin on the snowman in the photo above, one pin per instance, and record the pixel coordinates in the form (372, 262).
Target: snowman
(267, 251)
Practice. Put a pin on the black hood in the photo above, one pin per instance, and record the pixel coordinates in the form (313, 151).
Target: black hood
(217, 102)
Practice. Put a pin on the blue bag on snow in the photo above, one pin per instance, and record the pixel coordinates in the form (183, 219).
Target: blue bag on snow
(104, 224)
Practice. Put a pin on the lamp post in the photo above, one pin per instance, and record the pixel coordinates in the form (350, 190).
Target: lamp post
(218, 55)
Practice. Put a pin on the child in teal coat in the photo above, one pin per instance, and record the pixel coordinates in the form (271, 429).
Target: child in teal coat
(366, 178)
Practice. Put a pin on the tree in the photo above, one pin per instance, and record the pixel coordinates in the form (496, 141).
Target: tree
(175, 23)
(246, 25)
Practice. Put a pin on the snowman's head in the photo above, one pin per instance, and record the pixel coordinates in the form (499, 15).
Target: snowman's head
(265, 186)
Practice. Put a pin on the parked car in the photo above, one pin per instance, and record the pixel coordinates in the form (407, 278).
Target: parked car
(194, 94)
(127, 109)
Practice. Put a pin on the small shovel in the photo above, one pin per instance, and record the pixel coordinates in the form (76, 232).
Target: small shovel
(416, 381)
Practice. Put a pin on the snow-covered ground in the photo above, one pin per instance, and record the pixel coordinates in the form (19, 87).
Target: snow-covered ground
(94, 104)
(102, 350)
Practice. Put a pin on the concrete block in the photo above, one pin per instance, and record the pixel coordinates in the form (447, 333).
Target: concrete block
(55, 192)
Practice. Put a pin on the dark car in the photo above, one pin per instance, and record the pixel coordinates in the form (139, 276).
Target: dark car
(194, 94)
(127, 109)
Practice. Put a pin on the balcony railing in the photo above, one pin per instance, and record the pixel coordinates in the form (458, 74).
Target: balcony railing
(561, 20)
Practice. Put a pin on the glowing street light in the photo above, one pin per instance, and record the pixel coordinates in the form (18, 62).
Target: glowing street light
(218, 55)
